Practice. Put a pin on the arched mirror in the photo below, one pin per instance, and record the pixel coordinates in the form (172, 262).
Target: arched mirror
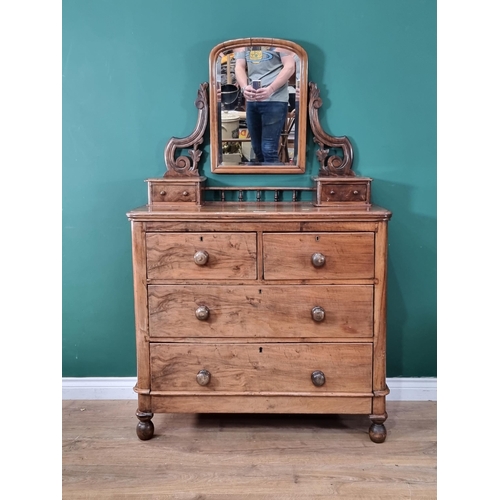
(258, 106)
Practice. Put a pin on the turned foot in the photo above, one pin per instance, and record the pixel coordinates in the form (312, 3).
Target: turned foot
(377, 430)
(145, 428)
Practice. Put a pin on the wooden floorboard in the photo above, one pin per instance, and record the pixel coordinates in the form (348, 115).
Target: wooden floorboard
(211, 456)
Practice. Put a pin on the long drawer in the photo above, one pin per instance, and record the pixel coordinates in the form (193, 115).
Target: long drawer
(197, 256)
(319, 256)
(308, 311)
(240, 368)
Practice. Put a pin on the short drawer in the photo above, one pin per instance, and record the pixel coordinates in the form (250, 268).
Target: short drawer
(289, 368)
(307, 311)
(319, 256)
(173, 193)
(344, 192)
(200, 256)
(175, 190)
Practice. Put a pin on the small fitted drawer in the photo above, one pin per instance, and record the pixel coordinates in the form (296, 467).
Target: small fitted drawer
(176, 193)
(299, 311)
(320, 256)
(348, 191)
(175, 190)
(193, 256)
(242, 368)
(344, 193)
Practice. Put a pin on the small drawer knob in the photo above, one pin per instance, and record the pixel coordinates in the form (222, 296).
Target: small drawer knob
(332, 192)
(203, 377)
(163, 193)
(355, 191)
(318, 378)
(202, 313)
(318, 259)
(185, 193)
(318, 313)
(200, 258)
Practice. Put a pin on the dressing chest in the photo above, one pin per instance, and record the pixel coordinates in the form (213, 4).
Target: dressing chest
(254, 299)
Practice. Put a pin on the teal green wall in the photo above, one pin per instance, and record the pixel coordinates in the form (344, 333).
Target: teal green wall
(131, 70)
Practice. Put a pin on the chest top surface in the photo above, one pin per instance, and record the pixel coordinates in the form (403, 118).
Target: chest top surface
(230, 211)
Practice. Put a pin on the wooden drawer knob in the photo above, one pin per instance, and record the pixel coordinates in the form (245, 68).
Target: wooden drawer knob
(202, 313)
(318, 259)
(163, 193)
(200, 258)
(318, 378)
(318, 313)
(203, 377)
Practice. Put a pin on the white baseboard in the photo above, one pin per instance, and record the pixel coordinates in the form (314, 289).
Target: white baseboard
(99, 388)
(412, 389)
(402, 389)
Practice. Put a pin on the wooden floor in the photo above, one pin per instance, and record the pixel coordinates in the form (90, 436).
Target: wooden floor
(246, 456)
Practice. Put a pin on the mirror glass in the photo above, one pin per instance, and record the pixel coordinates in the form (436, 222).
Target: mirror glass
(258, 106)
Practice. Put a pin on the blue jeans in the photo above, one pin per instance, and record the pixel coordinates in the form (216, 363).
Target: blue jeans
(265, 121)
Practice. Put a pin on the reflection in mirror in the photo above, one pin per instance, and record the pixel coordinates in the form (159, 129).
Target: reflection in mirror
(257, 125)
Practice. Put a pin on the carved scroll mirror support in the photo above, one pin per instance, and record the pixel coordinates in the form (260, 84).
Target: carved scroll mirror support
(337, 185)
(182, 182)
(329, 165)
(182, 165)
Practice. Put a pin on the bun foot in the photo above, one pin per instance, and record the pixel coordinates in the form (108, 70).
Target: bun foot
(377, 433)
(377, 430)
(145, 428)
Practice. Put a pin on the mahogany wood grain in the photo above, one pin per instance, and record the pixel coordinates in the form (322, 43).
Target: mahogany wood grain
(261, 311)
(265, 226)
(258, 291)
(140, 303)
(258, 213)
(380, 302)
(261, 404)
(182, 193)
(347, 255)
(343, 192)
(175, 190)
(230, 255)
(262, 368)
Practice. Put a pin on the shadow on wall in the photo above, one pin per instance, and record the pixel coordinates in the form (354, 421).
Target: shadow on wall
(411, 284)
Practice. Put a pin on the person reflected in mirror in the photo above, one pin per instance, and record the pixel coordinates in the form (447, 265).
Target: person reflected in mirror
(263, 73)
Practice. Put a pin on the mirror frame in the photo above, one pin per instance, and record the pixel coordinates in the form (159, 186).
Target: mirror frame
(300, 123)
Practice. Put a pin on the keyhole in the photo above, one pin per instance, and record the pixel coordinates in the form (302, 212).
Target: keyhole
(260, 349)
(317, 238)
(201, 238)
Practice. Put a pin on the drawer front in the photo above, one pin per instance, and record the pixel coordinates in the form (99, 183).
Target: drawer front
(173, 193)
(199, 256)
(336, 255)
(256, 312)
(346, 367)
(344, 192)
